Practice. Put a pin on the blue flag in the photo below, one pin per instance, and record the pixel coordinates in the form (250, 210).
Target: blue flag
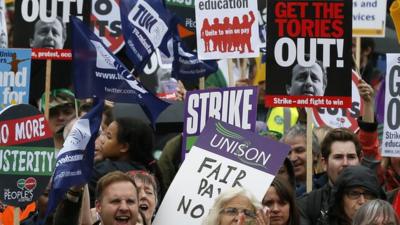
(98, 73)
(186, 65)
(75, 160)
(145, 26)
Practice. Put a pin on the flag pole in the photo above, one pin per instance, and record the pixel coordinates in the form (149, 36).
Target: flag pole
(202, 83)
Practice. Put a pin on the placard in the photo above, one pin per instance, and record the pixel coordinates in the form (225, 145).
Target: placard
(224, 156)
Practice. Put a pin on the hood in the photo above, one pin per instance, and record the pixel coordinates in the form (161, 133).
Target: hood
(357, 176)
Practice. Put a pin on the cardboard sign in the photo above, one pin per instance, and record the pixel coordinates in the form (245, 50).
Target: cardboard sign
(309, 54)
(391, 126)
(227, 29)
(224, 156)
(15, 73)
(369, 18)
(32, 19)
(27, 155)
(105, 21)
(236, 106)
(341, 117)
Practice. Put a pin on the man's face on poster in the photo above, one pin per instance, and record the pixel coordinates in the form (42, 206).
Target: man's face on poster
(307, 81)
(48, 35)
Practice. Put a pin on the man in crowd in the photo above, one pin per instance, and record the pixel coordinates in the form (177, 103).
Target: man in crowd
(340, 149)
(116, 199)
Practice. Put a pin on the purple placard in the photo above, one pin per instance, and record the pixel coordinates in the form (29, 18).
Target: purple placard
(243, 146)
(234, 105)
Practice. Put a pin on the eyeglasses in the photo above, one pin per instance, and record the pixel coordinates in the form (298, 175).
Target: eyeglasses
(250, 214)
(352, 194)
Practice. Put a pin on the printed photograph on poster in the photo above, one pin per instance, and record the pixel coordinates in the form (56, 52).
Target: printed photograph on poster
(44, 26)
(391, 125)
(15, 73)
(310, 60)
(227, 30)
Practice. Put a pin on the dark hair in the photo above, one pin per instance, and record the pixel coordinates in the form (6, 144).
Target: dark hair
(339, 134)
(110, 178)
(140, 138)
(286, 194)
(108, 114)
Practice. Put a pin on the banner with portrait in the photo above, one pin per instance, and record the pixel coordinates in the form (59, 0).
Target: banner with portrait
(309, 53)
(43, 25)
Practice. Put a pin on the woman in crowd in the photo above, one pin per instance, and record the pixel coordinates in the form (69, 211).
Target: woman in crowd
(236, 206)
(355, 186)
(147, 188)
(127, 145)
(376, 212)
(280, 199)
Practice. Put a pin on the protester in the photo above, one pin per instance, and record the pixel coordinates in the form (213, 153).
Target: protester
(236, 206)
(49, 34)
(280, 199)
(376, 212)
(127, 145)
(147, 188)
(296, 138)
(116, 199)
(340, 149)
(355, 186)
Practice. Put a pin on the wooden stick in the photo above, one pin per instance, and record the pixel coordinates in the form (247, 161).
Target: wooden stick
(230, 75)
(47, 89)
(309, 150)
(358, 54)
(16, 216)
(202, 83)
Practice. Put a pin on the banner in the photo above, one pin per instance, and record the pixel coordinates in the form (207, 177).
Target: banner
(3, 26)
(236, 106)
(227, 30)
(186, 65)
(74, 162)
(224, 156)
(369, 18)
(26, 154)
(145, 26)
(309, 54)
(15, 73)
(341, 117)
(98, 73)
(391, 126)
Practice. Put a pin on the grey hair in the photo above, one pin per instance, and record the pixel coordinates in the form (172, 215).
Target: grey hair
(376, 211)
(301, 130)
(213, 215)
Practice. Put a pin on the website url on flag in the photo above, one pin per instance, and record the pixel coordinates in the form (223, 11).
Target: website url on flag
(108, 76)
(119, 91)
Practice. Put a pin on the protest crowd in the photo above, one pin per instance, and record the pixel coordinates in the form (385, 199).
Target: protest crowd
(294, 138)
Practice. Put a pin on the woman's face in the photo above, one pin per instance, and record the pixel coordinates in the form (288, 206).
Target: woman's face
(353, 199)
(237, 208)
(147, 198)
(110, 147)
(280, 209)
